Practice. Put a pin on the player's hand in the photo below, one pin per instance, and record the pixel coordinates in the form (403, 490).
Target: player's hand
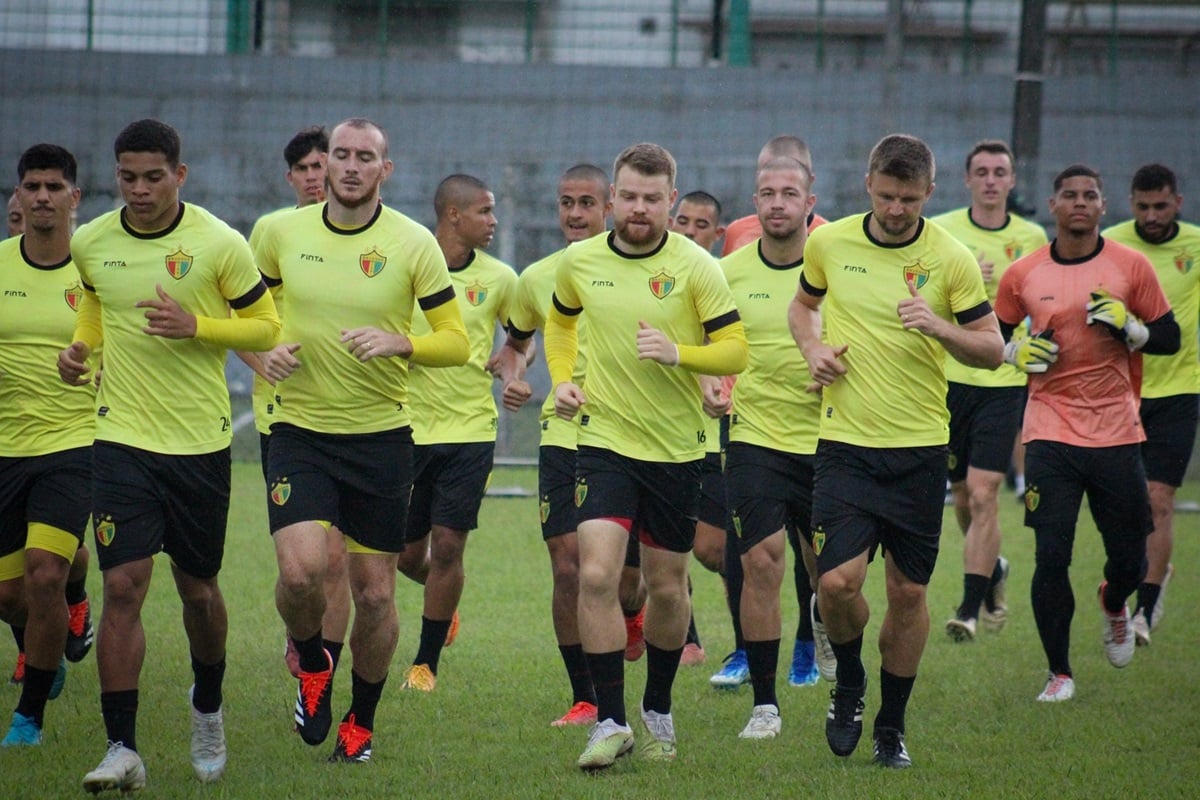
(915, 313)
(515, 394)
(568, 399)
(280, 361)
(1112, 314)
(986, 268)
(1033, 354)
(367, 343)
(824, 365)
(72, 364)
(166, 318)
(653, 344)
(715, 405)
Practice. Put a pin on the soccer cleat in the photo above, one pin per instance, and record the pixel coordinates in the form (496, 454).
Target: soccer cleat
(313, 714)
(844, 720)
(353, 745)
(420, 677)
(452, 631)
(889, 749)
(18, 675)
(1058, 689)
(635, 638)
(1141, 630)
(764, 723)
(608, 742)
(994, 612)
(804, 670)
(208, 743)
(121, 768)
(60, 679)
(582, 713)
(822, 649)
(1157, 613)
(1118, 634)
(291, 657)
(735, 672)
(659, 744)
(80, 633)
(23, 731)
(961, 630)
(693, 655)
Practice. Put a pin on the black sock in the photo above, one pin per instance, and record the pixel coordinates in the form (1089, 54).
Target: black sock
(608, 680)
(206, 696)
(894, 692)
(693, 636)
(433, 639)
(661, 666)
(974, 588)
(1053, 606)
(577, 673)
(35, 691)
(76, 591)
(763, 658)
(312, 654)
(18, 632)
(120, 716)
(335, 650)
(733, 587)
(1147, 596)
(850, 670)
(364, 698)
(804, 592)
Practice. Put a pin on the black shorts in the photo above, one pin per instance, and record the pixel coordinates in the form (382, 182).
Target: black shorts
(361, 482)
(449, 481)
(865, 497)
(556, 490)
(53, 489)
(984, 423)
(1170, 426)
(1058, 475)
(714, 507)
(146, 503)
(769, 490)
(264, 449)
(660, 497)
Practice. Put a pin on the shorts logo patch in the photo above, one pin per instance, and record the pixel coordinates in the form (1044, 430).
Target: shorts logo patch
(476, 293)
(178, 264)
(544, 509)
(1183, 262)
(951, 461)
(73, 295)
(737, 524)
(818, 540)
(916, 274)
(281, 490)
(1032, 498)
(372, 263)
(661, 285)
(580, 493)
(106, 530)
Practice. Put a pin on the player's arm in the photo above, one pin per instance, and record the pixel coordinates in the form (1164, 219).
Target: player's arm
(1160, 337)
(562, 348)
(975, 340)
(447, 345)
(804, 322)
(726, 351)
(253, 326)
(88, 335)
(509, 363)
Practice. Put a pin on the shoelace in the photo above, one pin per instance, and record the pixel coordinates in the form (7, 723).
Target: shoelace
(352, 737)
(77, 617)
(312, 686)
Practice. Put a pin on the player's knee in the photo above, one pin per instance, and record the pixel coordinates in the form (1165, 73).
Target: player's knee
(12, 601)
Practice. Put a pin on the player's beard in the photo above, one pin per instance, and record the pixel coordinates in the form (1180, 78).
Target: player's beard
(640, 235)
(367, 197)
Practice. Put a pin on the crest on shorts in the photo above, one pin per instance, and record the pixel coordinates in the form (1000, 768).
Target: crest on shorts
(818, 540)
(476, 293)
(372, 263)
(1032, 498)
(106, 530)
(281, 490)
(544, 509)
(661, 285)
(1183, 262)
(737, 524)
(951, 461)
(73, 295)
(1013, 251)
(580, 492)
(918, 275)
(178, 264)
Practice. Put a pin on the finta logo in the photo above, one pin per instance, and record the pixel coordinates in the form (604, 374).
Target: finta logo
(311, 257)
(14, 293)
(603, 283)
(114, 263)
(854, 268)
(759, 296)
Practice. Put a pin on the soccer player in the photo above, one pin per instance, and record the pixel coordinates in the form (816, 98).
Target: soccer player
(698, 217)
(45, 432)
(899, 293)
(161, 459)
(1094, 307)
(305, 154)
(773, 430)
(650, 297)
(351, 270)
(16, 216)
(746, 229)
(1170, 384)
(985, 405)
(454, 421)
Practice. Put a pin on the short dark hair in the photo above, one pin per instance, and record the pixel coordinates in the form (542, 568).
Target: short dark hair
(455, 190)
(903, 157)
(1076, 171)
(790, 146)
(47, 156)
(702, 198)
(304, 142)
(149, 136)
(994, 146)
(1152, 177)
(586, 172)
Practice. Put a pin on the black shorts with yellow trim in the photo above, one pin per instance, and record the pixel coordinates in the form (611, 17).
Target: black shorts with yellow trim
(714, 504)
(146, 503)
(556, 490)
(449, 481)
(1170, 426)
(868, 497)
(984, 423)
(769, 491)
(54, 489)
(361, 482)
(660, 497)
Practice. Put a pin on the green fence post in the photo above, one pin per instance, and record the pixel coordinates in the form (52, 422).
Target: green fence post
(739, 33)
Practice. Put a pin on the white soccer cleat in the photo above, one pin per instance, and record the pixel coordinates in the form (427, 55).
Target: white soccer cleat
(1059, 688)
(208, 743)
(1118, 634)
(1141, 630)
(121, 768)
(822, 649)
(764, 723)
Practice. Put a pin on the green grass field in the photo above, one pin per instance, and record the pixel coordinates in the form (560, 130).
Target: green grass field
(974, 729)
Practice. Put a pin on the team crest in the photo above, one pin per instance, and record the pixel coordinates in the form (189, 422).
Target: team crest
(818, 540)
(951, 461)
(737, 524)
(106, 531)
(544, 509)
(1183, 262)
(580, 493)
(281, 490)
(918, 275)
(1013, 251)
(178, 264)
(372, 263)
(73, 295)
(1032, 498)
(661, 285)
(476, 294)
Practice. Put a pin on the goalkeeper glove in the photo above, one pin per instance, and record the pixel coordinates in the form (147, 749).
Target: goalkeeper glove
(1112, 314)
(1032, 353)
